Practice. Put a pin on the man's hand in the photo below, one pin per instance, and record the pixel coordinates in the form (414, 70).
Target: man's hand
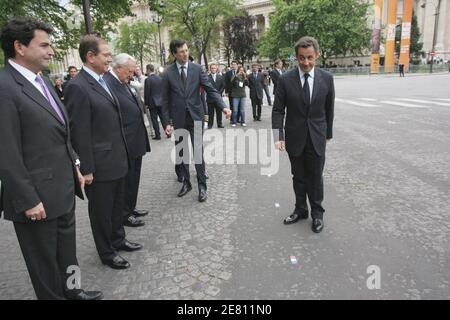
(227, 113)
(80, 178)
(168, 131)
(88, 179)
(36, 213)
(279, 145)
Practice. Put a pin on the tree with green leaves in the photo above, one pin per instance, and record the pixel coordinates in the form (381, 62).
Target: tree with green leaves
(105, 15)
(340, 26)
(240, 37)
(198, 21)
(138, 40)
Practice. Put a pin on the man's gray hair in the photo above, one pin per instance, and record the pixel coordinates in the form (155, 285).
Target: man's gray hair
(122, 59)
(306, 42)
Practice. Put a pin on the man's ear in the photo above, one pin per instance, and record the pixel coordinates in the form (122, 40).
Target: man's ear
(18, 46)
(90, 56)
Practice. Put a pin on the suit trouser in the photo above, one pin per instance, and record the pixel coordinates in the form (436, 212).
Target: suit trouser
(132, 180)
(307, 171)
(256, 108)
(183, 151)
(266, 90)
(154, 113)
(49, 248)
(211, 109)
(105, 213)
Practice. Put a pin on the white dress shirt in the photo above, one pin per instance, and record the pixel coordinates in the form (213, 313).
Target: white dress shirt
(310, 81)
(185, 68)
(29, 75)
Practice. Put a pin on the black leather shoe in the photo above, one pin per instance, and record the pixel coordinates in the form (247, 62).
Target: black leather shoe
(202, 195)
(180, 179)
(140, 213)
(259, 119)
(133, 222)
(117, 263)
(294, 217)
(85, 295)
(317, 225)
(156, 138)
(129, 246)
(220, 126)
(185, 189)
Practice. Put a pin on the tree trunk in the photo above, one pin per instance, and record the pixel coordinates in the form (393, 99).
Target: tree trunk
(206, 59)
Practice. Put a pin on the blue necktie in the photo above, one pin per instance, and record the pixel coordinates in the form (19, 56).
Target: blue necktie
(104, 85)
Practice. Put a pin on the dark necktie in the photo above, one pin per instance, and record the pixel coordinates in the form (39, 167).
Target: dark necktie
(306, 89)
(183, 76)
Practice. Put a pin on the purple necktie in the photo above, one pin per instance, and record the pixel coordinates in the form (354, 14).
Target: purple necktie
(50, 99)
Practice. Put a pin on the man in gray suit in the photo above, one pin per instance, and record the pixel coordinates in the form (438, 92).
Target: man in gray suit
(38, 167)
(181, 102)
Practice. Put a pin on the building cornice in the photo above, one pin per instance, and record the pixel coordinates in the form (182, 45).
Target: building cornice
(258, 5)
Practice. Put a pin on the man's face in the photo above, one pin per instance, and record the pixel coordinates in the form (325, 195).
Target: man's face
(306, 58)
(125, 73)
(73, 72)
(182, 54)
(234, 66)
(138, 71)
(213, 68)
(102, 60)
(279, 65)
(255, 69)
(38, 53)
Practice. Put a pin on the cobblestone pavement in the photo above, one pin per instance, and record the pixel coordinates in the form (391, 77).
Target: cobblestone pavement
(387, 204)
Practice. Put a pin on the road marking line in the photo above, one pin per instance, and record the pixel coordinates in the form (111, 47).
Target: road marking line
(356, 103)
(368, 99)
(403, 104)
(425, 101)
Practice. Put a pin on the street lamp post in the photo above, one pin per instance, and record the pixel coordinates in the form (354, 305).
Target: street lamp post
(291, 28)
(158, 20)
(87, 16)
(436, 15)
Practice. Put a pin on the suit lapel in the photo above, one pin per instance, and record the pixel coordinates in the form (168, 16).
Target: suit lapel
(177, 76)
(318, 80)
(96, 86)
(34, 94)
(190, 77)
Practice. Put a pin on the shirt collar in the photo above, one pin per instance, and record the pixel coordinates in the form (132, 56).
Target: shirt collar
(92, 73)
(115, 75)
(27, 73)
(302, 74)
(185, 65)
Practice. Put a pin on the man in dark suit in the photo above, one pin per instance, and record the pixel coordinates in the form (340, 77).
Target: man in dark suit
(256, 85)
(229, 86)
(98, 137)
(181, 83)
(152, 98)
(38, 167)
(308, 95)
(276, 73)
(135, 133)
(217, 81)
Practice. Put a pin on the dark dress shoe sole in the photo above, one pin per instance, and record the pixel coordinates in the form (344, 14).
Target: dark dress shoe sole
(134, 225)
(128, 249)
(184, 192)
(117, 266)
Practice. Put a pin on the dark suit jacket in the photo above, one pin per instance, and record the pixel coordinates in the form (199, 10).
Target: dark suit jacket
(228, 82)
(219, 84)
(178, 100)
(274, 75)
(132, 117)
(97, 128)
(36, 156)
(256, 86)
(301, 119)
(152, 91)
